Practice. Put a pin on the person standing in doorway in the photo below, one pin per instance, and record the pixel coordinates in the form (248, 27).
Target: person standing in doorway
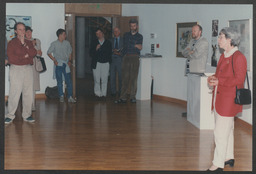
(101, 52)
(60, 52)
(116, 65)
(37, 45)
(20, 54)
(130, 66)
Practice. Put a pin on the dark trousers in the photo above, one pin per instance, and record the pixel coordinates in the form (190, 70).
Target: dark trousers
(116, 67)
(130, 69)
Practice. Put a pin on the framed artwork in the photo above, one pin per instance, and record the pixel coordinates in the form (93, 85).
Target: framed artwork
(215, 26)
(245, 46)
(11, 21)
(183, 36)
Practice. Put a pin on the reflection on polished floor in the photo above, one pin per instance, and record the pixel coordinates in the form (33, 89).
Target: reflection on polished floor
(101, 135)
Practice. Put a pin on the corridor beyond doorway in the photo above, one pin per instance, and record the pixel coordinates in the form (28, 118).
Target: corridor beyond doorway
(85, 33)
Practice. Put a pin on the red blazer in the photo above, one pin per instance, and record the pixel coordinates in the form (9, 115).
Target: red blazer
(226, 91)
(16, 52)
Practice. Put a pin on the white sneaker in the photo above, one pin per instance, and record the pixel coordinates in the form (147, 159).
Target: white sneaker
(71, 100)
(61, 99)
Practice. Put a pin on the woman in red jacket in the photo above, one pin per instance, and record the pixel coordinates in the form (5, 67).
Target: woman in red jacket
(224, 83)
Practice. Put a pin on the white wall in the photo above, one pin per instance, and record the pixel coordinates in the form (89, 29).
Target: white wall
(168, 72)
(46, 19)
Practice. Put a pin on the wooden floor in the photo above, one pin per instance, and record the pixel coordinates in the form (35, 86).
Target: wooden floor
(101, 135)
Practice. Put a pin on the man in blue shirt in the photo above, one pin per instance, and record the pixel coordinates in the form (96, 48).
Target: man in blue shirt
(60, 52)
(130, 67)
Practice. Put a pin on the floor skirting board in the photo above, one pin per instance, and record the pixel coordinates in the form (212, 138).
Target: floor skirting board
(239, 122)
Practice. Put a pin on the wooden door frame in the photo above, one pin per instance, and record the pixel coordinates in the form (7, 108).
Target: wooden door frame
(73, 54)
(73, 43)
(72, 39)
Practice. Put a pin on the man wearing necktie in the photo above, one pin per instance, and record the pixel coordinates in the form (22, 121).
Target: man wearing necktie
(116, 65)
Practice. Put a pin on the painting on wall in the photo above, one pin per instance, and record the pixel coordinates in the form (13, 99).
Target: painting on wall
(183, 36)
(245, 46)
(11, 21)
(215, 26)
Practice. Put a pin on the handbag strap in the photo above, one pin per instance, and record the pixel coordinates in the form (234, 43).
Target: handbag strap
(246, 74)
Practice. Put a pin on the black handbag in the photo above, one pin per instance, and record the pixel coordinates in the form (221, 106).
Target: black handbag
(42, 65)
(243, 95)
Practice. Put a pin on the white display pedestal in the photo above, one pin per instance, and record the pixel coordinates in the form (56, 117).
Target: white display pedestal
(199, 102)
(144, 78)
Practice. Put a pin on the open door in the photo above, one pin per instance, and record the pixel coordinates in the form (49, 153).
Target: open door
(70, 31)
(70, 27)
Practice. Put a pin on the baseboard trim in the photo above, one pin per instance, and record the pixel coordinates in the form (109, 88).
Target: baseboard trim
(239, 122)
(169, 99)
(41, 96)
(244, 124)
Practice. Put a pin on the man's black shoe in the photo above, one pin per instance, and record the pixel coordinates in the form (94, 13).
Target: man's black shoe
(133, 100)
(120, 101)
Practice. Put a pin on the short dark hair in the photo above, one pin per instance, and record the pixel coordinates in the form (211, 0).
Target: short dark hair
(28, 28)
(99, 29)
(60, 31)
(133, 21)
(18, 23)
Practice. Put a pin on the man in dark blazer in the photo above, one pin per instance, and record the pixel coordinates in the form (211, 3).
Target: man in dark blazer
(116, 65)
(101, 52)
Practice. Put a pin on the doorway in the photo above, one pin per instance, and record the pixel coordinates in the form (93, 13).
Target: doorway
(84, 34)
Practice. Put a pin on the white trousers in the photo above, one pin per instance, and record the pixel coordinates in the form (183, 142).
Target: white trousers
(224, 139)
(100, 75)
(21, 81)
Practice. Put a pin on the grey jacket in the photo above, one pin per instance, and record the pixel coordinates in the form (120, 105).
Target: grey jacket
(121, 44)
(197, 59)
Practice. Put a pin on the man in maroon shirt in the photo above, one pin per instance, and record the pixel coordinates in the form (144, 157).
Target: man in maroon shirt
(20, 54)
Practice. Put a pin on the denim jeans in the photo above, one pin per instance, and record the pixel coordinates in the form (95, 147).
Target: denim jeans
(59, 71)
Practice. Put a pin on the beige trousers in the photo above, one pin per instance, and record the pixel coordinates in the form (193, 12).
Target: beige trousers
(100, 75)
(224, 139)
(21, 81)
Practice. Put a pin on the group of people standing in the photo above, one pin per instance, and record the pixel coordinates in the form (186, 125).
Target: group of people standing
(22, 52)
(24, 78)
(122, 56)
(119, 56)
(230, 74)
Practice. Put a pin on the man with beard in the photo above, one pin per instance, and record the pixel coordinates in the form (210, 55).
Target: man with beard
(197, 54)
(197, 51)
(130, 66)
